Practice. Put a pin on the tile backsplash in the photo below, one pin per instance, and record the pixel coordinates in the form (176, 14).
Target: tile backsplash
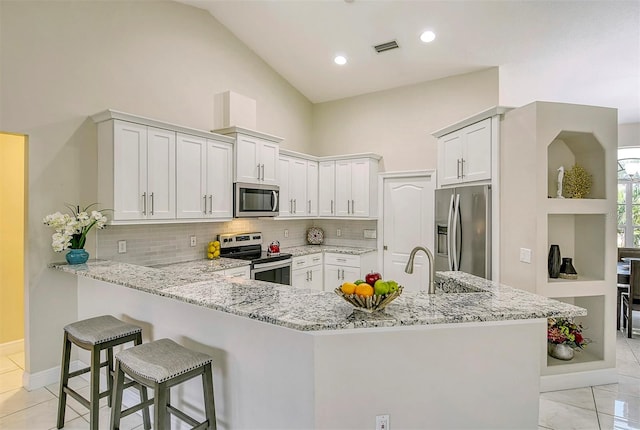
(153, 244)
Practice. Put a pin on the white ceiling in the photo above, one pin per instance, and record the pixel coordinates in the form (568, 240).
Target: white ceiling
(571, 51)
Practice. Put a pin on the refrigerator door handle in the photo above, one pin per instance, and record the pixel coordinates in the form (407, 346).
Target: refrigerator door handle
(456, 228)
(449, 233)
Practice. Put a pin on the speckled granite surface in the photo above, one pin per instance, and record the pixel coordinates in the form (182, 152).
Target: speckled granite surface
(298, 251)
(309, 310)
(201, 270)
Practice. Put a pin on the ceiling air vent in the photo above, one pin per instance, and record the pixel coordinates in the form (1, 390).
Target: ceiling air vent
(386, 46)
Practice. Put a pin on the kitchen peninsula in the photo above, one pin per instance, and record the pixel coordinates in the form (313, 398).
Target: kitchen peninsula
(466, 357)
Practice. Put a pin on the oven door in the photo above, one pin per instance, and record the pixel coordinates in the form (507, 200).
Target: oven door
(252, 200)
(277, 272)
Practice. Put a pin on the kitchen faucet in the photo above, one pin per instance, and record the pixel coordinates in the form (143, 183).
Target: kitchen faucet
(409, 268)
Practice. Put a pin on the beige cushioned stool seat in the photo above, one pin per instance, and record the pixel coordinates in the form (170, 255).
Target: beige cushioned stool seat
(94, 331)
(161, 360)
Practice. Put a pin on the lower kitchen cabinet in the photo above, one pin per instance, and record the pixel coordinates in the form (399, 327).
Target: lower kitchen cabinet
(238, 272)
(306, 272)
(340, 268)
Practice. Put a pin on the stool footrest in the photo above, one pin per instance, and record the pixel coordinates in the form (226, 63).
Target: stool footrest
(136, 408)
(183, 416)
(70, 391)
(85, 370)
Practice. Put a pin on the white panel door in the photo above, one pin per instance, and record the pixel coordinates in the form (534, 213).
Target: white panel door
(326, 188)
(312, 188)
(408, 208)
(269, 153)
(450, 158)
(477, 155)
(191, 176)
(360, 188)
(161, 173)
(343, 188)
(298, 186)
(247, 153)
(130, 171)
(219, 179)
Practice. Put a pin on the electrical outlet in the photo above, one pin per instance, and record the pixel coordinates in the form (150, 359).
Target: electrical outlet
(122, 246)
(338, 232)
(286, 233)
(193, 241)
(525, 255)
(382, 422)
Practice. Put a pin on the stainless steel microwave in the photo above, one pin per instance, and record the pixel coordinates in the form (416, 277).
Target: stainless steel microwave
(252, 200)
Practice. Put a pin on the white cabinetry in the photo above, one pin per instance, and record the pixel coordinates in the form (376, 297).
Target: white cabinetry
(298, 187)
(243, 272)
(536, 140)
(256, 156)
(136, 170)
(306, 272)
(348, 187)
(204, 184)
(465, 155)
(340, 268)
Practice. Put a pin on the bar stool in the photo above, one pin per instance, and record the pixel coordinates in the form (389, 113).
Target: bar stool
(160, 365)
(95, 335)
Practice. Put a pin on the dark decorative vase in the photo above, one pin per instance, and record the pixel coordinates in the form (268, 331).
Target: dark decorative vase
(567, 271)
(554, 261)
(77, 256)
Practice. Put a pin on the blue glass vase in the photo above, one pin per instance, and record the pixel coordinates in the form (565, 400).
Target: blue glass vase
(77, 256)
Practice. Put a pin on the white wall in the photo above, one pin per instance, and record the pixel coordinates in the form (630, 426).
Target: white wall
(63, 61)
(629, 134)
(398, 123)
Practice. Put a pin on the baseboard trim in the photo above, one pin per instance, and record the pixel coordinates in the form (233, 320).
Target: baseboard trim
(33, 381)
(570, 381)
(12, 347)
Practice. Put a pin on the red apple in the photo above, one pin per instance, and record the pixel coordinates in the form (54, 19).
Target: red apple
(372, 277)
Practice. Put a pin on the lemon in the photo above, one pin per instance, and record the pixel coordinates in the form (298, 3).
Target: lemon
(216, 254)
(348, 288)
(216, 243)
(209, 255)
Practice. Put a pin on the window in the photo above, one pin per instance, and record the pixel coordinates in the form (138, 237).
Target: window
(629, 197)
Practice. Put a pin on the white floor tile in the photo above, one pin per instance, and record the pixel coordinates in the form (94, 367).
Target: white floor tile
(580, 397)
(11, 380)
(626, 385)
(75, 424)
(608, 422)
(39, 417)
(560, 416)
(18, 359)
(617, 404)
(17, 400)
(127, 423)
(6, 365)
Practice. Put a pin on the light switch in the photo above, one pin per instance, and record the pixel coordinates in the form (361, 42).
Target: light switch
(525, 255)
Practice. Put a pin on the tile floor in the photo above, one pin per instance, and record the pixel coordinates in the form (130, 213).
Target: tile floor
(615, 406)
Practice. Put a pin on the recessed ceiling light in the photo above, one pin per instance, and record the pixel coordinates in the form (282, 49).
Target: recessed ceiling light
(428, 36)
(340, 60)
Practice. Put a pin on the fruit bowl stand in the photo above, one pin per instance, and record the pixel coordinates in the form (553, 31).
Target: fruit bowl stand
(371, 303)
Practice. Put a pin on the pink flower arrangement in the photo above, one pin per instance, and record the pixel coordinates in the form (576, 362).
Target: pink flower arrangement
(565, 331)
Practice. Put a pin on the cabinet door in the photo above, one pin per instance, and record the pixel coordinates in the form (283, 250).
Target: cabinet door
(326, 188)
(360, 188)
(130, 171)
(247, 153)
(450, 158)
(343, 188)
(300, 278)
(312, 188)
(332, 277)
(315, 278)
(351, 274)
(161, 173)
(298, 186)
(243, 272)
(286, 201)
(219, 179)
(191, 176)
(477, 151)
(268, 158)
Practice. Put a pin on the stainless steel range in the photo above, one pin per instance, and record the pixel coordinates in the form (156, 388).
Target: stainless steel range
(265, 266)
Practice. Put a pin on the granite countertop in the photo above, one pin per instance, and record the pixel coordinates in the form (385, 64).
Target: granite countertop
(298, 251)
(201, 270)
(311, 310)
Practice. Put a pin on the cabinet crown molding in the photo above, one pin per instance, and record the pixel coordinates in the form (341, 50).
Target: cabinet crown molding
(247, 131)
(309, 157)
(110, 114)
(488, 113)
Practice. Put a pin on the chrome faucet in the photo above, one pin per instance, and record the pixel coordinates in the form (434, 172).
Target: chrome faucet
(409, 268)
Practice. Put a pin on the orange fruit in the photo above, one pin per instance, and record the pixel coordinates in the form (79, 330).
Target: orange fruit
(348, 288)
(364, 290)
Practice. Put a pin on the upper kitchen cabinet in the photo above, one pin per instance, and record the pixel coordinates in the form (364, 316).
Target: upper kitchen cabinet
(327, 188)
(298, 185)
(256, 156)
(467, 150)
(136, 171)
(204, 172)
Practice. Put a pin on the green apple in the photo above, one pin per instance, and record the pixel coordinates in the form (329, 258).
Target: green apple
(381, 287)
(393, 286)
(359, 281)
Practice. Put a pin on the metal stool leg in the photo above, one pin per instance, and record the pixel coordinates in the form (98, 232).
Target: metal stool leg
(64, 380)
(209, 404)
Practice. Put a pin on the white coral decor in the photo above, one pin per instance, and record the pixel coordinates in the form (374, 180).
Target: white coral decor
(71, 229)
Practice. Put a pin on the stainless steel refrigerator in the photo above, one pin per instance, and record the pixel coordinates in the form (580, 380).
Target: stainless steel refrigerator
(463, 230)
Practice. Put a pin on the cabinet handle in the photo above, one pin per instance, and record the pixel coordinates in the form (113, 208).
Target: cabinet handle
(152, 203)
(262, 172)
(144, 203)
(307, 273)
(295, 205)
(210, 203)
(458, 168)
(290, 205)
(332, 206)
(258, 176)
(205, 204)
(344, 260)
(348, 208)
(462, 161)
(311, 275)
(353, 207)
(309, 206)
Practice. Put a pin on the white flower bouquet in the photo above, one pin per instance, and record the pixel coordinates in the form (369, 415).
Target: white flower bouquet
(71, 229)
